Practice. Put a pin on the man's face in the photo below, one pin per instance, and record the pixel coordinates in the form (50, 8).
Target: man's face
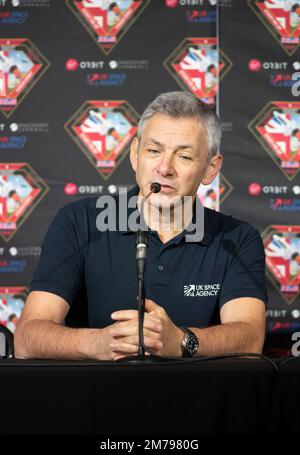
(172, 152)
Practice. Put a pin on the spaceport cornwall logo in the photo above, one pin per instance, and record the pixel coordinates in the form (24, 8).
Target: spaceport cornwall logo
(28, 3)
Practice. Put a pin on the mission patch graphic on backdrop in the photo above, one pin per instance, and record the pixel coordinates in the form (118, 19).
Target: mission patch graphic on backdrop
(103, 131)
(107, 20)
(282, 19)
(213, 195)
(21, 66)
(21, 189)
(12, 301)
(198, 65)
(277, 128)
(282, 248)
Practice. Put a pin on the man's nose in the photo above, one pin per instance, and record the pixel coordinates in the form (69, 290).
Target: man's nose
(165, 166)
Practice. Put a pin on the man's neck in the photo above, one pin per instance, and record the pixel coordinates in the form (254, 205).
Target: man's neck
(168, 221)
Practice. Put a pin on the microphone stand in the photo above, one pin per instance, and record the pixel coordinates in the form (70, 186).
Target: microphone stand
(141, 256)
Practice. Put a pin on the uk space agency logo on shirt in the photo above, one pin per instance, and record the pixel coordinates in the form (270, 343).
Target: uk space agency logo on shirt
(201, 290)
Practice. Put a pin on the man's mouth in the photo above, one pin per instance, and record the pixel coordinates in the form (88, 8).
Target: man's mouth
(166, 188)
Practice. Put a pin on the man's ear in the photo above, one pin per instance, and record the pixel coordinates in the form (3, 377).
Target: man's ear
(213, 169)
(133, 152)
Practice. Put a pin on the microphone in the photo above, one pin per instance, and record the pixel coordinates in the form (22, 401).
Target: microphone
(155, 187)
(142, 238)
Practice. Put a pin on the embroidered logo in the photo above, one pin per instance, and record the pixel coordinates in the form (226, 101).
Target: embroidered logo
(189, 290)
(201, 290)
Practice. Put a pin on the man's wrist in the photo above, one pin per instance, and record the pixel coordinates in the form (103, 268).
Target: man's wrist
(190, 343)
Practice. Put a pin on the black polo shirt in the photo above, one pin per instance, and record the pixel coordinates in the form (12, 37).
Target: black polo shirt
(95, 272)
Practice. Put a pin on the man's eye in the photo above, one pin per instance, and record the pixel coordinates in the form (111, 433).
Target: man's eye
(153, 151)
(185, 157)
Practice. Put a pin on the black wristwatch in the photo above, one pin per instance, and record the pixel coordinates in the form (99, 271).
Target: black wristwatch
(190, 343)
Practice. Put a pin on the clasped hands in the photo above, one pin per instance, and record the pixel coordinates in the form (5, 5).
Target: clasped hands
(161, 335)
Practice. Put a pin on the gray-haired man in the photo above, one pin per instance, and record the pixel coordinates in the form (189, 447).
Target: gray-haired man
(205, 296)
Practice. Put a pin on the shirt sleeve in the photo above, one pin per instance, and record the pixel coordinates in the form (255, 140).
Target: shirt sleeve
(245, 274)
(61, 262)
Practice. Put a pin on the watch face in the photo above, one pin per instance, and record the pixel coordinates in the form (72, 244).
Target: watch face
(192, 344)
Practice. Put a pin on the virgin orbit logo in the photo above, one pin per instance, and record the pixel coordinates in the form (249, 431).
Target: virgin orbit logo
(72, 64)
(171, 3)
(254, 189)
(71, 189)
(254, 65)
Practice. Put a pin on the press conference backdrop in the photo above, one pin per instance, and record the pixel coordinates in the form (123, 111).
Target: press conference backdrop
(75, 76)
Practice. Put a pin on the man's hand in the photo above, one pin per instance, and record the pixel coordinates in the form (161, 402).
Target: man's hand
(161, 335)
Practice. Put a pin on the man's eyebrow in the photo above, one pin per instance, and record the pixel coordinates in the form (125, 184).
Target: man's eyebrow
(153, 141)
(159, 144)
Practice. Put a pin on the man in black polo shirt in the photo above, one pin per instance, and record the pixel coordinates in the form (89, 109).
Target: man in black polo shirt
(204, 295)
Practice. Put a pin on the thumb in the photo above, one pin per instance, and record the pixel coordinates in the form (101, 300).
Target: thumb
(150, 305)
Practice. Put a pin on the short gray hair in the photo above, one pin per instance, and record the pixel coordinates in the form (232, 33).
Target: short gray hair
(185, 105)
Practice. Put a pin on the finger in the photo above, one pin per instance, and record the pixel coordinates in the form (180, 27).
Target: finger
(123, 348)
(123, 330)
(154, 345)
(130, 344)
(127, 328)
(154, 331)
(124, 315)
(153, 322)
(134, 339)
(150, 305)
(117, 356)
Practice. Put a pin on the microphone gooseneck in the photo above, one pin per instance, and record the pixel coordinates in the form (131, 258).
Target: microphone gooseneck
(141, 256)
(141, 237)
(141, 252)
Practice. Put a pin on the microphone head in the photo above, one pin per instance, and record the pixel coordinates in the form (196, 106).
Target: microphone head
(155, 187)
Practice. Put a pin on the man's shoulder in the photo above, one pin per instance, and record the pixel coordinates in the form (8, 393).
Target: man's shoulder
(78, 211)
(91, 204)
(84, 204)
(227, 225)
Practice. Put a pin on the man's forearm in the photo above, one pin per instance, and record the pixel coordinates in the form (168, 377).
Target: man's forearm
(49, 340)
(229, 337)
